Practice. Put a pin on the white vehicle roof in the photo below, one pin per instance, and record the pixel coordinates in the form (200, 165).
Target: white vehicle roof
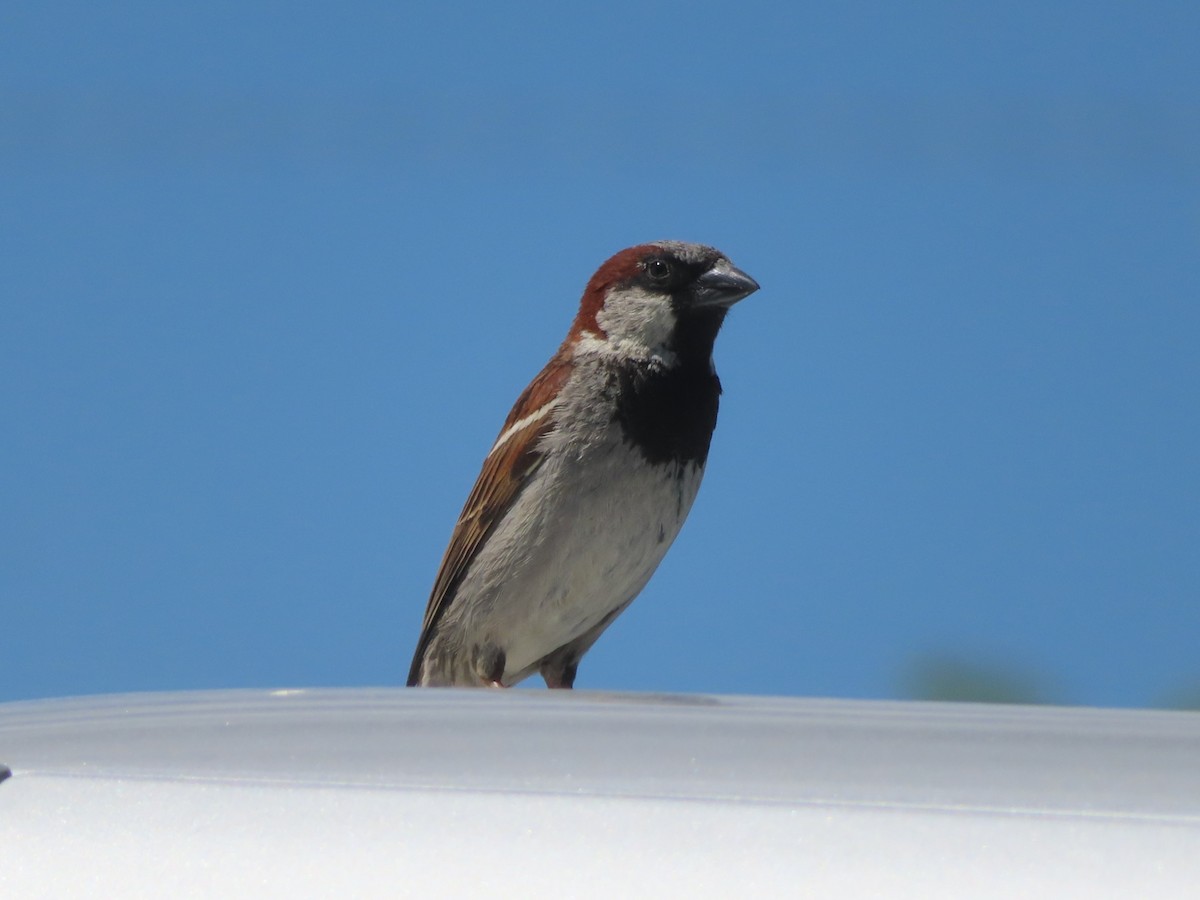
(394, 792)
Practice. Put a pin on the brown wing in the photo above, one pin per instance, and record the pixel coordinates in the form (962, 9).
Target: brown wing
(506, 471)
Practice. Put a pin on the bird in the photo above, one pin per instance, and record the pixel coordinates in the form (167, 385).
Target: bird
(590, 478)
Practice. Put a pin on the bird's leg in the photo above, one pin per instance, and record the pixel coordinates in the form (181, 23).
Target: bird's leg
(489, 664)
(559, 675)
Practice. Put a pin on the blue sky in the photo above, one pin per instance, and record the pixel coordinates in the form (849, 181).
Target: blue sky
(272, 275)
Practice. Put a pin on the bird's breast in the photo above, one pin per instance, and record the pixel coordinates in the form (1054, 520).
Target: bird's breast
(581, 541)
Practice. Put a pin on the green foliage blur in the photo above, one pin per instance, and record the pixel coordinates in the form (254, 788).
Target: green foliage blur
(954, 678)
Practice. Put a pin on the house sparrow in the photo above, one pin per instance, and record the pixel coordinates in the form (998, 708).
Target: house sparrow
(590, 478)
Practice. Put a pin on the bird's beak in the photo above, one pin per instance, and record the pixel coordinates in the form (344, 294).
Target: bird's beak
(723, 285)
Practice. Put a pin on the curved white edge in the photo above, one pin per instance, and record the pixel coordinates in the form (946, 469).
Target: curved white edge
(392, 792)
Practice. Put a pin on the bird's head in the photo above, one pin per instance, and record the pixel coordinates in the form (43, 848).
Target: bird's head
(658, 300)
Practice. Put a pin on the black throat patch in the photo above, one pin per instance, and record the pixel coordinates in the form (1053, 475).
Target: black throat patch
(668, 413)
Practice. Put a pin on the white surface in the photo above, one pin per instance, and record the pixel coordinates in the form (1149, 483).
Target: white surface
(518, 793)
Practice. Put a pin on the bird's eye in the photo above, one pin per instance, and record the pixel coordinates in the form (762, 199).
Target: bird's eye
(658, 269)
